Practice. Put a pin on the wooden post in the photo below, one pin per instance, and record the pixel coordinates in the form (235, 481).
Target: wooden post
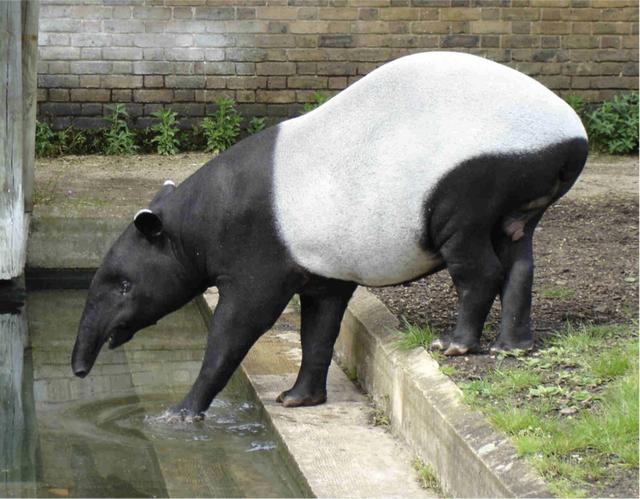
(13, 337)
(12, 216)
(30, 13)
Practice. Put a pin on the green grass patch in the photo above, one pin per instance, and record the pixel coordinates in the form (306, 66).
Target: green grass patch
(448, 370)
(571, 408)
(412, 336)
(557, 293)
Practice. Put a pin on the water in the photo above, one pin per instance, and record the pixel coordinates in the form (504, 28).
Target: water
(102, 436)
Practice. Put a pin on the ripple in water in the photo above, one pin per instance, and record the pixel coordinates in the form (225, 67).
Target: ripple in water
(240, 419)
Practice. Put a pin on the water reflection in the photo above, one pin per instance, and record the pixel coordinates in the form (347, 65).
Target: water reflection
(102, 437)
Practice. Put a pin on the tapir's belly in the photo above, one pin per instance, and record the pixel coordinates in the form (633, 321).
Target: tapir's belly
(360, 221)
(352, 178)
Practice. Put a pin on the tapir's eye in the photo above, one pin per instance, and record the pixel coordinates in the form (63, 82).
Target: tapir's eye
(125, 287)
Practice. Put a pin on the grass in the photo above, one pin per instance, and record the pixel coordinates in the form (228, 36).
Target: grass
(412, 336)
(448, 370)
(378, 415)
(557, 293)
(571, 408)
(426, 476)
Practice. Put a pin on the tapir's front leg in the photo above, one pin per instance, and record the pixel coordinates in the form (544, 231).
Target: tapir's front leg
(242, 315)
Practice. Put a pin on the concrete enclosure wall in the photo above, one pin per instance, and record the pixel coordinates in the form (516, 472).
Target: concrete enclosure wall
(271, 55)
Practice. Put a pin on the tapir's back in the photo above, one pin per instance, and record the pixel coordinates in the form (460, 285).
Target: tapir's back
(352, 177)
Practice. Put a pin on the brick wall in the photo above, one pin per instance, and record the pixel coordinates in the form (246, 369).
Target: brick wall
(271, 55)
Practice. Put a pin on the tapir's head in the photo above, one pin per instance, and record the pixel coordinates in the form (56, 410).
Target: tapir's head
(142, 278)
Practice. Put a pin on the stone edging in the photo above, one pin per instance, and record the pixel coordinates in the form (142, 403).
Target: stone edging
(425, 408)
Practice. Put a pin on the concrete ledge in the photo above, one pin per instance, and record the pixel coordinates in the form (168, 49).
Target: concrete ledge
(71, 243)
(425, 408)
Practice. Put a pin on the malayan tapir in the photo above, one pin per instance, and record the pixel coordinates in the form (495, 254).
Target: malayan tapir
(435, 160)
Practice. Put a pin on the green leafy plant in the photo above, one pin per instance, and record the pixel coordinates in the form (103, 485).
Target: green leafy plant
(46, 140)
(67, 141)
(613, 126)
(221, 130)
(576, 102)
(118, 138)
(166, 131)
(76, 142)
(318, 98)
(256, 125)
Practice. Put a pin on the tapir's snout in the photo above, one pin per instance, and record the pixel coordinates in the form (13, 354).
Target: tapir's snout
(84, 354)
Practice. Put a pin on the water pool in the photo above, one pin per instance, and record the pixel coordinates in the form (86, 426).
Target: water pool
(98, 437)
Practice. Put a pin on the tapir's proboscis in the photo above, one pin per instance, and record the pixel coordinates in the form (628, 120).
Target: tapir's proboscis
(433, 161)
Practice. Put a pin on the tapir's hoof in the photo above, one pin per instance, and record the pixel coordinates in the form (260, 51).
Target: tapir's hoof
(176, 415)
(288, 399)
(460, 349)
(511, 347)
(453, 348)
(439, 344)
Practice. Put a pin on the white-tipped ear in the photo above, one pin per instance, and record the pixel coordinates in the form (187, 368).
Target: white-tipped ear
(147, 222)
(143, 210)
(169, 182)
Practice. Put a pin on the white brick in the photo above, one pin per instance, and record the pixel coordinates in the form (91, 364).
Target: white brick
(122, 53)
(123, 26)
(91, 40)
(188, 54)
(63, 53)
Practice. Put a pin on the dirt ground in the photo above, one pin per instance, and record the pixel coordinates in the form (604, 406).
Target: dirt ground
(106, 186)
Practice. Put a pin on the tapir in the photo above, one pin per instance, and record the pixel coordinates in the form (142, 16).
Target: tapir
(433, 161)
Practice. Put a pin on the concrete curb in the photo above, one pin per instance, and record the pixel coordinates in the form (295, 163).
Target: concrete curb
(425, 408)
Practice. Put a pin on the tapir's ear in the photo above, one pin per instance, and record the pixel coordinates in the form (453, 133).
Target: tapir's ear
(167, 188)
(147, 222)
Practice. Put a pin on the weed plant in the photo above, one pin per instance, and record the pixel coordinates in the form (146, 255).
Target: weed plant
(256, 125)
(118, 138)
(612, 126)
(46, 140)
(318, 98)
(165, 132)
(221, 130)
(427, 477)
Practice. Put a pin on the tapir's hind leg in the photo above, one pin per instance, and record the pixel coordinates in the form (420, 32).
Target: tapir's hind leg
(322, 308)
(517, 259)
(477, 275)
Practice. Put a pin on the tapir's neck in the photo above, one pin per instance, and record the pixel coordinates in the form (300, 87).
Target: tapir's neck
(223, 213)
